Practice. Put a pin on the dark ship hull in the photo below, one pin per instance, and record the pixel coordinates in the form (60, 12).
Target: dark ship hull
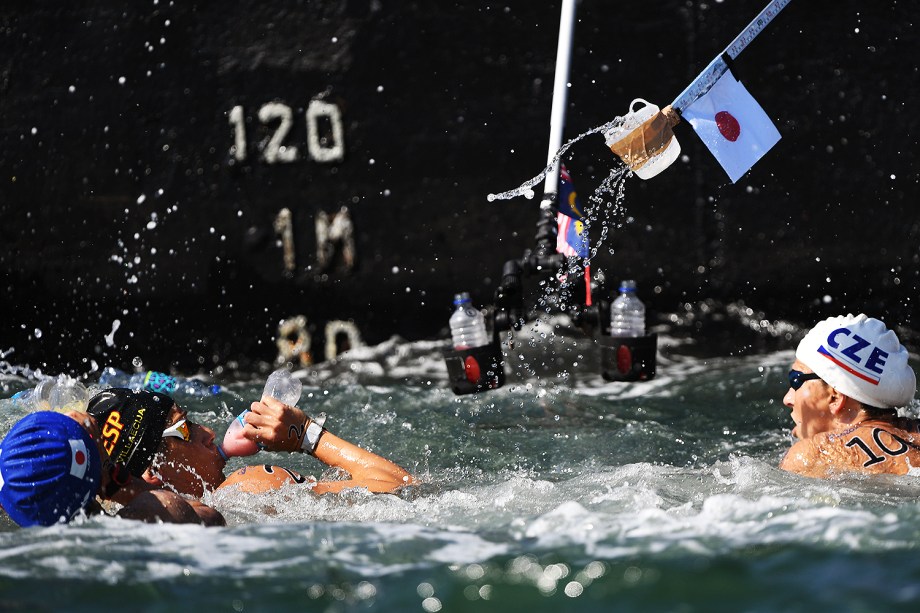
(149, 150)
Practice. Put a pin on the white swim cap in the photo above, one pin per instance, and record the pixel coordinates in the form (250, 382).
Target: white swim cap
(860, 357)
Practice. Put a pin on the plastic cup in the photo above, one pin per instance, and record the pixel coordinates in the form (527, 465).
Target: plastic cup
(644, 167)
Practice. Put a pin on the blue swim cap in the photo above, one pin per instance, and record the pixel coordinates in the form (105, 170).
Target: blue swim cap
(49, 469)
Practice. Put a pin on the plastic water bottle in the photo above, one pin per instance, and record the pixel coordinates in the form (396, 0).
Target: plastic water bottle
(627, 313)
(61, 393)
(467, 324)
(281, 385)
(154, 381)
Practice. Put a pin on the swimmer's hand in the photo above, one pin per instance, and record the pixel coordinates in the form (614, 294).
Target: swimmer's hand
(275, 425)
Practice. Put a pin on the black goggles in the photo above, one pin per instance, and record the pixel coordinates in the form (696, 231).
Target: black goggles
(797, 378)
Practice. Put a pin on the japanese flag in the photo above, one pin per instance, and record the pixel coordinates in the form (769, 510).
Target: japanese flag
(733, 126)
(79, 460)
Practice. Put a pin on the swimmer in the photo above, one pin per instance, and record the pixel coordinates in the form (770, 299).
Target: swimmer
(54, 465)
(849, 377)
(155, 439)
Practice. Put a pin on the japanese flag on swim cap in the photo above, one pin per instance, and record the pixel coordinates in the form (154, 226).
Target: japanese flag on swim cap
(132, 424)
(49, 469)
(860, 357)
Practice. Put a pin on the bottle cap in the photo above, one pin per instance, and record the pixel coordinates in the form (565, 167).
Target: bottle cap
(627, 285)
(461, 297)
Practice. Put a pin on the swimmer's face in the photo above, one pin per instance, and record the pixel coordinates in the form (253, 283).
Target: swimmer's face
(810, 405)
(190, 467)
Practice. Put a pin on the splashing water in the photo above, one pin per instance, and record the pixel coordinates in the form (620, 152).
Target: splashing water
(607, 199)
(581, 496)
(110, 337)
(526, 188)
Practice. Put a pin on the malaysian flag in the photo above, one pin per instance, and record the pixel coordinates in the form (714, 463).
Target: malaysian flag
(572, 237)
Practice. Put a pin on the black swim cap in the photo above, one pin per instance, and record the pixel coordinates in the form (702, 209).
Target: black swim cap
(132, 424)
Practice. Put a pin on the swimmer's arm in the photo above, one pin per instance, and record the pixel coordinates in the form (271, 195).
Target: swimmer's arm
(367, 469)
(280, 427)
(168, 507)
(805, 459)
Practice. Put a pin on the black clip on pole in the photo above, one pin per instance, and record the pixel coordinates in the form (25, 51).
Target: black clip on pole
(545, 258)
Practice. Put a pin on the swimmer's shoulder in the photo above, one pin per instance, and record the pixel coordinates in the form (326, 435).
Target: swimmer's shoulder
(805, 458)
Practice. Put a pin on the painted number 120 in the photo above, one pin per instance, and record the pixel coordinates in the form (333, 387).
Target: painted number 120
(325, 135)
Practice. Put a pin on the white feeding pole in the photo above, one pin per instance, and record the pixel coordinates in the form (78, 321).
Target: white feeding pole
(560, 95)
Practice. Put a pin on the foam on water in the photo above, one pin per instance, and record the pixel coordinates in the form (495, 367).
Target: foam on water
(641, 509)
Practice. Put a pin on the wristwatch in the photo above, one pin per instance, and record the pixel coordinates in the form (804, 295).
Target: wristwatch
(314, 432)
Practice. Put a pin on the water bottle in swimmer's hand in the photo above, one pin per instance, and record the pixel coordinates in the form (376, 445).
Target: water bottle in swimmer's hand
(627, 313)
(467, 324)
(154, 381)
(281, 385)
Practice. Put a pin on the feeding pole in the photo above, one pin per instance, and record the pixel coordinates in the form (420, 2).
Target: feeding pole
(509, 297)
(546, 227)
(560, 93)
(705, 80)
